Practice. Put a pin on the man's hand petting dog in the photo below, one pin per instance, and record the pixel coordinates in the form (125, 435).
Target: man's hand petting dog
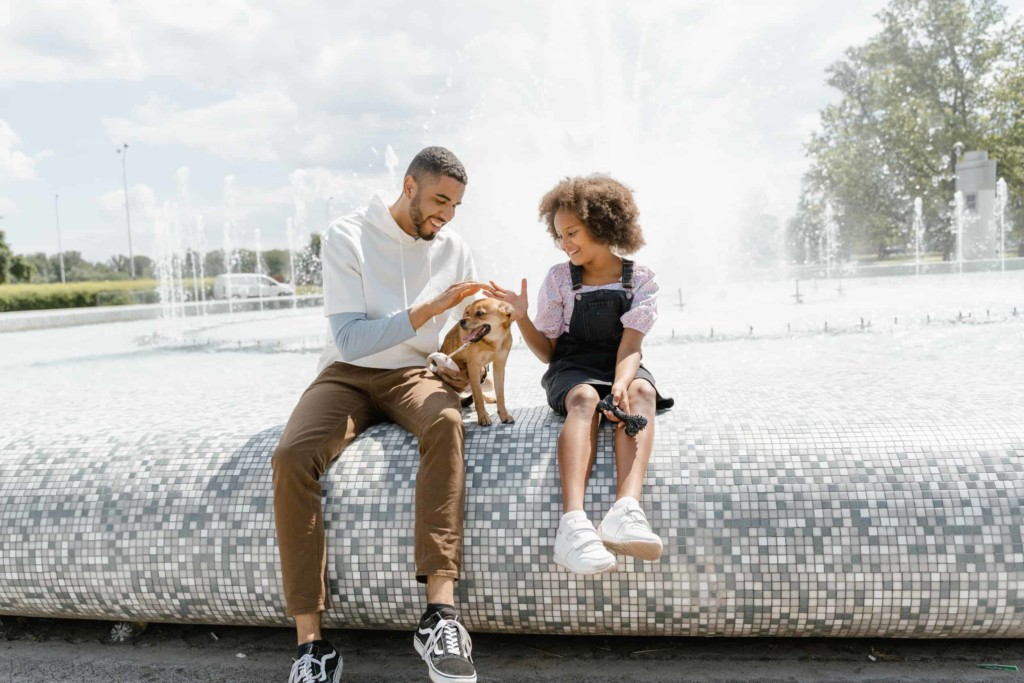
(456, 380)
(420, 313)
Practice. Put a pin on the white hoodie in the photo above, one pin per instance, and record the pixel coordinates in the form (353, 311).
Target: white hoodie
(372, 266)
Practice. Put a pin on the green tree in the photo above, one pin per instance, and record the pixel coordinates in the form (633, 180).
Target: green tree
(213, 263)
(759, 241)
(144, 267)
(935, 75)
(41, 266)
(804, 228)
(276, 263)
(308, 270)
(246, 261)
(21, 269)
(1005, 140)
(5, 257)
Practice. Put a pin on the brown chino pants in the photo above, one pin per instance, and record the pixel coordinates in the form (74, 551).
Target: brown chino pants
(340, 404)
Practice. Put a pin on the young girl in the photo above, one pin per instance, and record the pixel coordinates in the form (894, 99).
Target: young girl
(593, 313)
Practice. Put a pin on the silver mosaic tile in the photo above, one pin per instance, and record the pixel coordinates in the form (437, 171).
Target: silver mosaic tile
(780, 526)
(856, 485)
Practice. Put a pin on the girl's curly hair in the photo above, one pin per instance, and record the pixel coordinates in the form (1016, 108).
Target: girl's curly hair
(604, 205)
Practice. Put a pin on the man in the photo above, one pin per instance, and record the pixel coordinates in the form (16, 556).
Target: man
(390, 275)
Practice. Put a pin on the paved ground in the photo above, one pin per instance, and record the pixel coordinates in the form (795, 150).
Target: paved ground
(37, 650)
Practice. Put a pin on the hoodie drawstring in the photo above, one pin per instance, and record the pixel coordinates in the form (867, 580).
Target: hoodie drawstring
(401, 259)
(430, 276)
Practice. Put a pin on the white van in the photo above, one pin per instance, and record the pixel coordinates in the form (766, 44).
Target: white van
(246, 285)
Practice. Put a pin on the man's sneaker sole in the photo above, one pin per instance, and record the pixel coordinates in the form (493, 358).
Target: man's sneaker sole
(648, 551)
(560, 561)
(436, 676)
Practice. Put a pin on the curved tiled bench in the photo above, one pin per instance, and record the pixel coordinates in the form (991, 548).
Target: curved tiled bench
(797, 527)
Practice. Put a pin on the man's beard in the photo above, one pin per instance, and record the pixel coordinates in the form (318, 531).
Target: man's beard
(416, 216)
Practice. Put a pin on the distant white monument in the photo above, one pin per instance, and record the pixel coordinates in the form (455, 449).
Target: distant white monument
(976, 181)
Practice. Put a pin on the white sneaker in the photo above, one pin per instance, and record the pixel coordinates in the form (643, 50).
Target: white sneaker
(625, 530)
(578, 548)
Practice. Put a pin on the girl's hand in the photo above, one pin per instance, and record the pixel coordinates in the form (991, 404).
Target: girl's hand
(620, 398)
(519, 302)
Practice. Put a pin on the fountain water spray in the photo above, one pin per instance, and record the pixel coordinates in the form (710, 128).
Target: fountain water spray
(168, 248)
(183, 177)
(289, 233)
(199, 256)
(1000, 221)
(958, 228)
(231, 256)
(918, 234)
(830, 238)
(391, 162)
(259, 265)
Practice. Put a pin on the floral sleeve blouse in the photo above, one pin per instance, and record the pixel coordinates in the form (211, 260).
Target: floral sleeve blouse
(555, 301)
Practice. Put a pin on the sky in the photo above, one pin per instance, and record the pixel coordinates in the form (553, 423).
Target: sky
(266, 118)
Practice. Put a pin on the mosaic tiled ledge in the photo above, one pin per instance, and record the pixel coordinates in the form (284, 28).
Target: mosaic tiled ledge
(793, 527)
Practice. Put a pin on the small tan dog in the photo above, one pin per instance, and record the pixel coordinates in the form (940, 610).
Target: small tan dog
(483, 336)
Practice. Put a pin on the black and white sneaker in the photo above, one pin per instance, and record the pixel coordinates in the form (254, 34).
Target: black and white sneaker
(318, 662)
(445, 645)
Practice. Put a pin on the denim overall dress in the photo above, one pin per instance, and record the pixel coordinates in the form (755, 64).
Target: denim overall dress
(586, 354)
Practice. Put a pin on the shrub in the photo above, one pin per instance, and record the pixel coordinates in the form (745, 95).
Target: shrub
(26, 297)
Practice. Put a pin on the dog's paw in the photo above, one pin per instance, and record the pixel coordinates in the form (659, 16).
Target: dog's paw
(483, 419)
(506, 418)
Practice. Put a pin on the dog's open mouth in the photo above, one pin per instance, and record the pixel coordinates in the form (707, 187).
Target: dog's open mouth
(478, 333)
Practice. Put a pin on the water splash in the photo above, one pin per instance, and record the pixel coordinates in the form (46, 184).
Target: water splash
(199, 240)
(289, 233)
(391, 162)
(232, 258)
(259, 263)
(958, 229)
(170, 286)
(830, 239)
(999, 211)
(182, 175)
(918, 234)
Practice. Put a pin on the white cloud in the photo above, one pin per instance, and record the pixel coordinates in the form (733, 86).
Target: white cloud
(14, 165)
(318, 183)
(693, 101)
(142, 196)
(249, 126)
(215, 18)
(73, 40)
(808, 124)
(7, 208)
(66, 40)
(265, 126)
(849, 31)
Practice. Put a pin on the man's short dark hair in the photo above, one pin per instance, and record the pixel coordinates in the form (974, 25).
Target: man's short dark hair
(437, 161)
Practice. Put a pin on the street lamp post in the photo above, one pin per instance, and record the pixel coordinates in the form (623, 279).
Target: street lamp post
(123, 151)
(60, 247)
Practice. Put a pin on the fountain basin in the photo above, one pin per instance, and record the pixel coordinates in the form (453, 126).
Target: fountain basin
(859, 483)
(827, 486)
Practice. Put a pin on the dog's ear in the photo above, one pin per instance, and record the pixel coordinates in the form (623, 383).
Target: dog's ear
(506, 309)
(452, 341)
